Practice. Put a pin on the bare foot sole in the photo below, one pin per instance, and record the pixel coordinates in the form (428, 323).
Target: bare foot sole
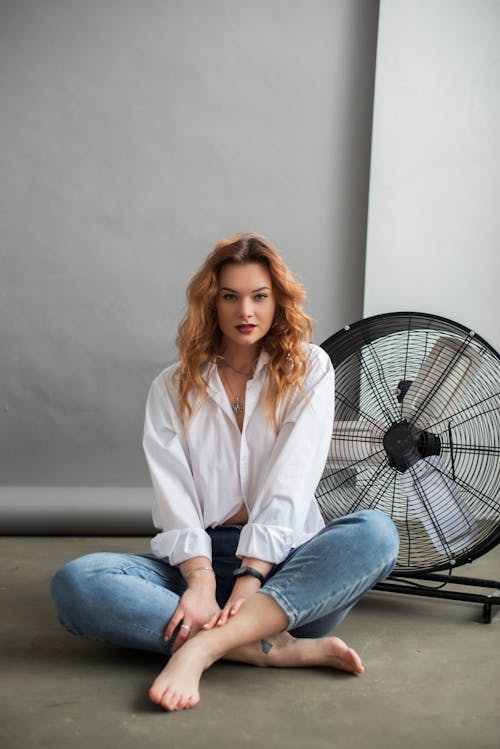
(284, 651)
(339, 655)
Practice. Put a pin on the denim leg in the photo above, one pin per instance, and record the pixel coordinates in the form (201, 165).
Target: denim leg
(128, 599)
(323, 579)
(124, 599)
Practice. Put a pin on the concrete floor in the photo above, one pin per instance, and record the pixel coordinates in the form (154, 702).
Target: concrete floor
(432, 676)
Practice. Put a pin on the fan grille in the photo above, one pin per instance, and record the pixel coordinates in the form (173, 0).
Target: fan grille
(378, 359)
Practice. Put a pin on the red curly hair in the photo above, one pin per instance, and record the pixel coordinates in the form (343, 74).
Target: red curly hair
(199, 336)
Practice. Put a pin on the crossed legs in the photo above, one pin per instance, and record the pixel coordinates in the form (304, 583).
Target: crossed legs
(128, 600)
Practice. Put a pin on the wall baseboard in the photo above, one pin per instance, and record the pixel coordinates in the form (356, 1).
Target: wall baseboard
(75, 511)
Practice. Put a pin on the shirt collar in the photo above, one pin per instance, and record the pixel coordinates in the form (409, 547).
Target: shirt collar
(262, 361)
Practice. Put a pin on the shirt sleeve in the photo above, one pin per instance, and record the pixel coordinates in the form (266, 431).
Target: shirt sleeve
(177, 510)
(285, 492)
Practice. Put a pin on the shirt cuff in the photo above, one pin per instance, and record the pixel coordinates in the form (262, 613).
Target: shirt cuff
(177, 546)
(271, 543)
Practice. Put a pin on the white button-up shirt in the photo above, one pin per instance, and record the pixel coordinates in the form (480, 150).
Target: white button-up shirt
(204, 474)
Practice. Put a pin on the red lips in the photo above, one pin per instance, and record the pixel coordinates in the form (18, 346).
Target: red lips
(246, 328)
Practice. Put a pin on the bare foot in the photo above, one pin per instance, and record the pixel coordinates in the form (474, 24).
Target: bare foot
(285, 651)
(177, 686)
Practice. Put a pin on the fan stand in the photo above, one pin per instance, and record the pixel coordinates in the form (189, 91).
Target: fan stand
(401, 583)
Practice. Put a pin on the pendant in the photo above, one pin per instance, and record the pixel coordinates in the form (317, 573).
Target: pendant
(236, 406)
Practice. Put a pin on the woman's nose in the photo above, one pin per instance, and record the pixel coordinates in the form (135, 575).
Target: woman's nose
(246, 308)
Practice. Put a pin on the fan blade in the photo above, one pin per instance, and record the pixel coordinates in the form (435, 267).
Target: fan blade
(355, 442)
(438, 503)
(442, 381)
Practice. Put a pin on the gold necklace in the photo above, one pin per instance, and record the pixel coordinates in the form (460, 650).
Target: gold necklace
(248, 374)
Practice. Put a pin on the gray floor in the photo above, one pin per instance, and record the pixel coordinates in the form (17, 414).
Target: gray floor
(432, 676)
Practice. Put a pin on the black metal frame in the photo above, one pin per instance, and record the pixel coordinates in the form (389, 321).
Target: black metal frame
(401, 583)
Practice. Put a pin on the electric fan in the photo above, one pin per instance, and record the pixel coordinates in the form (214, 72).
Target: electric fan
(416, 435)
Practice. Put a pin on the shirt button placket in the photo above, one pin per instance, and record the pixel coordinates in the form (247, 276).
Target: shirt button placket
(244, 465)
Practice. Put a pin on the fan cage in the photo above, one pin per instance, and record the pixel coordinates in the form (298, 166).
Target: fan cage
(373, 359)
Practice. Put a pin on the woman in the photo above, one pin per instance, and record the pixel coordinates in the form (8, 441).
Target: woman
(236, 437)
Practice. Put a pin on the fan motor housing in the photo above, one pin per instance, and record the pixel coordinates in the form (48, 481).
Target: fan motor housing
(405, 444)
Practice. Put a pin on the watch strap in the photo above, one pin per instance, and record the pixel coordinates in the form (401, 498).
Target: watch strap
(243, 571)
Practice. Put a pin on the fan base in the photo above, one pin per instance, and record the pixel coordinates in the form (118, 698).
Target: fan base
(410, 585)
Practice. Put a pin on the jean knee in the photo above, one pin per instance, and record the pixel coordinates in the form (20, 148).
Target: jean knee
(381, 532)
(69, 576)
(68, 587)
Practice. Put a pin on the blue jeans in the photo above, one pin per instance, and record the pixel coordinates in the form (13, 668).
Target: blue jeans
(128, 599)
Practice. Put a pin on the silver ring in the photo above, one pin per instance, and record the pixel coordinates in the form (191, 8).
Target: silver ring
(185, 626)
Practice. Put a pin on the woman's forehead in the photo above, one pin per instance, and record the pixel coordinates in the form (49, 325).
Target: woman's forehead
(246, 277)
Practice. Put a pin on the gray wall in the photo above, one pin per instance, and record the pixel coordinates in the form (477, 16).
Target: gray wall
(134, 134)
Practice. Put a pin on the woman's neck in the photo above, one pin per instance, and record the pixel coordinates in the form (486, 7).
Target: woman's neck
(240, 357)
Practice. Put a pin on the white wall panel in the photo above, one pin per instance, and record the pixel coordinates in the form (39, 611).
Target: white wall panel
(434, 220)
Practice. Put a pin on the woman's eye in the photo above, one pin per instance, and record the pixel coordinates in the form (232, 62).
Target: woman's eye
(229, 297)
(260, 297)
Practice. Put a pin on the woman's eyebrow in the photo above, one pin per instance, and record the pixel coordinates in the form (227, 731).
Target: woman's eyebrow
(261, 288)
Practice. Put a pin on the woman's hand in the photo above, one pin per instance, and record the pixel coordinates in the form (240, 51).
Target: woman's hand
(243, 588)
(197, 607)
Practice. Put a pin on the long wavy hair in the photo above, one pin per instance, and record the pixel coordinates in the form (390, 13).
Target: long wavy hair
(199, 337)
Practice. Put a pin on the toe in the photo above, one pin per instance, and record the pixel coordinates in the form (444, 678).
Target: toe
(357, 666)
(193, 700)
(183, 703)
(154, 694)
(169, 699)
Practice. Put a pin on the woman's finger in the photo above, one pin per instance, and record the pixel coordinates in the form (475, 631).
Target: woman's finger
(176, 619)
(210, 624)
(182, 635)
(236, 606)
(230, 609)
(224, 614)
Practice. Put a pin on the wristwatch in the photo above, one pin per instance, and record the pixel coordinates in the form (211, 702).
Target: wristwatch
(243, 571)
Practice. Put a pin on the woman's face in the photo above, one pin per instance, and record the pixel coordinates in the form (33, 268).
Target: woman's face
(245, 303)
